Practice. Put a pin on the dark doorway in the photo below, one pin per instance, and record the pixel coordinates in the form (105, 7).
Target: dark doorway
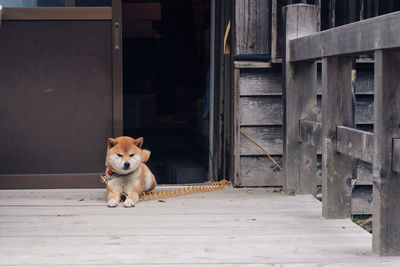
(166, 51)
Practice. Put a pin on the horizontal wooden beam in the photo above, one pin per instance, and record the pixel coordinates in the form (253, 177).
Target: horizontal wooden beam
(47, 181)
(355, 143)
(381, 32)
(252, 65)
(396, 155)
(57, 13)
(310, 133)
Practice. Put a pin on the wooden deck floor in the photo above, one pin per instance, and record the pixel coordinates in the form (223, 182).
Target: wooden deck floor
(232, 227)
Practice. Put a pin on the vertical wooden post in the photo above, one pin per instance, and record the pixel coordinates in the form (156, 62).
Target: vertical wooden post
(386, 182)
(336, 111)
(299, 100)
(236, 128)
(118, 128)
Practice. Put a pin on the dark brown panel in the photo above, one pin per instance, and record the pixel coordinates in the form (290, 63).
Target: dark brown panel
(48, 181)
(57, 13)
(56, 96)
(141, 11)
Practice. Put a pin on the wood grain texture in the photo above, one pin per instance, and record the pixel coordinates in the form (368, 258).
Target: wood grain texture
(269, 137)
(364, 110)
(368, 35)
(299, 99)
(253, 27)
(355, 143)
(361, 200)
(364, 82)
(336, 168)
(396, 155)
(261, 111)
(256, 82)
(274, 29)
(237, 118)
(252, 65)
(386, 183)
(311, 133)
(260, 171)
(256, 224)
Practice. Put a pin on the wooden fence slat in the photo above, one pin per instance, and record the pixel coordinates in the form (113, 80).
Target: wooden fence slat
(386, 183)
(363, 36)
(311, 133)
(355, 143)
(299, 100)
(336, 110)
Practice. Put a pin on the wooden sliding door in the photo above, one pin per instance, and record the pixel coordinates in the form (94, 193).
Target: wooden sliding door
(60, 92)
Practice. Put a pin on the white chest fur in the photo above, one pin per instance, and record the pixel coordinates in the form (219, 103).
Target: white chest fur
(126, 183)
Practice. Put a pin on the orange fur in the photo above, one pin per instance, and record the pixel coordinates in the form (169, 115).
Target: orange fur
(138, 177)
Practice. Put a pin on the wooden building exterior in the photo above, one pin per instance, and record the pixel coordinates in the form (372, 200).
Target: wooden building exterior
(246, 78)
(258, 83)
(277, 104)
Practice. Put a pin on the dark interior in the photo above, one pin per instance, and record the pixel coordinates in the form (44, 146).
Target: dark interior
(165, 69)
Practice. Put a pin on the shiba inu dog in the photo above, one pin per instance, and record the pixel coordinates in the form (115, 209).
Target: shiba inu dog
(126, 171)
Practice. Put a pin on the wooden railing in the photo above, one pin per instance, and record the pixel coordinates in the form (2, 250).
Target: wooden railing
(339, 141)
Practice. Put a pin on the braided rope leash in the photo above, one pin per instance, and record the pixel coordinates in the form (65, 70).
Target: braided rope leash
(156, 195)
(206, 187)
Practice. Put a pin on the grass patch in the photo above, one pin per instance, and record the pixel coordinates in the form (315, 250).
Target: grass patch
(364, 221)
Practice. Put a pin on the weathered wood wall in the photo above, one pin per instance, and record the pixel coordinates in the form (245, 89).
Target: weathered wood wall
(253, 27)
(261, 113)
(259, 107)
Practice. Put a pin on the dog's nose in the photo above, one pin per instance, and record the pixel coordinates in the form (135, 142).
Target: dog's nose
(126, 165)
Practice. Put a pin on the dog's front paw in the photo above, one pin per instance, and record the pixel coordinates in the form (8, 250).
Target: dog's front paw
(112, 203)
(129, 203)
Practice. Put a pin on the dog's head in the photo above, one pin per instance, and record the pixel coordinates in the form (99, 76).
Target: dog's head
(125, 154)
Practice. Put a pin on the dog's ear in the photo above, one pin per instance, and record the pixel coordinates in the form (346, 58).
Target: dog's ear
(139, 142)
(145, 155)
(111, 142)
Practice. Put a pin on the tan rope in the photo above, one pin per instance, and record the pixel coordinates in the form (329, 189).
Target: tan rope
(265, 151)
(206, 187)
(152, 195)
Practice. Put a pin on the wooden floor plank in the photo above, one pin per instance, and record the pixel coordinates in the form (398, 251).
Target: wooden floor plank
(231, 227)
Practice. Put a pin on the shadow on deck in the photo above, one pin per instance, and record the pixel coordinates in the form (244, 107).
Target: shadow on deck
(231, 226)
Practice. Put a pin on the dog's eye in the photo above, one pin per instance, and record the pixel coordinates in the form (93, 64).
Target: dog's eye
(119, 155)
(131, 155)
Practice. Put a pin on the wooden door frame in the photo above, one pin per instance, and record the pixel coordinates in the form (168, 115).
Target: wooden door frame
(112, 14)
(117, 68)
(221, 134)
